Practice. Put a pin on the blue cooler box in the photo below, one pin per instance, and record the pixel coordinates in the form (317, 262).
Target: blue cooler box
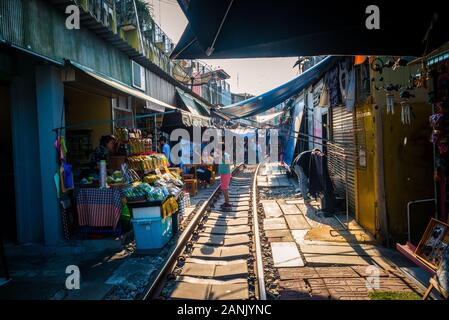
(152, 233)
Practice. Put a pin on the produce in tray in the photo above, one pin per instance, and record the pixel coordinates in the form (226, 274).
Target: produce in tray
(116, 178)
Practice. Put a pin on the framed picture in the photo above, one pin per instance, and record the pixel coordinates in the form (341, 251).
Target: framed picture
(433, 244)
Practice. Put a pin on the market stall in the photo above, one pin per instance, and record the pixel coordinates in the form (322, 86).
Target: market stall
(131, 186)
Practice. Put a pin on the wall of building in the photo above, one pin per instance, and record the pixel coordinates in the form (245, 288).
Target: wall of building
(160, 89)
(407, 158)
(40, 27)
(82, 107)
(26, 153)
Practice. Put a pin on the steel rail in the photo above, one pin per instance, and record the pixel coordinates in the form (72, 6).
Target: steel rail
(260, 274)
(158, 283)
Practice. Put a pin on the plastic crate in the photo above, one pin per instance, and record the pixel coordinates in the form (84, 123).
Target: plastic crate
(152, 233)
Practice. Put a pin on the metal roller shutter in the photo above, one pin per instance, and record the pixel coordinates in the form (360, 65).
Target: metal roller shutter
(341, 148)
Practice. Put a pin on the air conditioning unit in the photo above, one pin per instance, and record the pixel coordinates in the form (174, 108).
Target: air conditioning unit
(138, 76)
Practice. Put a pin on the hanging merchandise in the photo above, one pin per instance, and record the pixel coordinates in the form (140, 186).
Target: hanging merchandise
(324, 97)
(350, 92)
(343, 77)
(333, 84)
(405, 112)
(390, 103)
(405, 107)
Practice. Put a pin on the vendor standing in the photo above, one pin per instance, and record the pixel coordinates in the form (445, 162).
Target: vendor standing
(165, 148)
(103, 151)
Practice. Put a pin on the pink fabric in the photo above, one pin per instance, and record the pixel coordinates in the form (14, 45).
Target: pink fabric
(225, 180)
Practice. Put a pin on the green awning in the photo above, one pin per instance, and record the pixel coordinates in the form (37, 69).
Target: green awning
(192, 104)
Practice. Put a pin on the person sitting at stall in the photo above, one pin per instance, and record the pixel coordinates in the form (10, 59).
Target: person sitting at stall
(165, 148)
(103, 151)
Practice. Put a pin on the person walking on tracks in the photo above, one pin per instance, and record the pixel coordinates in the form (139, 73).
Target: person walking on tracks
(224, 169)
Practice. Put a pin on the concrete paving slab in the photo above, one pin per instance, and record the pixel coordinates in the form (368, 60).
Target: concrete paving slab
(221, 240)
(234, 203)
(297, 222)
(299, 201)
(198, 270)
(333, 259)
(290, 209)
(282, 235)
(272, 209)
(298, 273)
(293, 290)
(215, 271)
(226, 230)
(226, 222)
(364, 271)
(231, 271)
(190, 291)
(274, 224)
(216, 262)
(286, 254)
(210, 252)
(236, 291)
(355, 285)
(337, 272)
(227, 215)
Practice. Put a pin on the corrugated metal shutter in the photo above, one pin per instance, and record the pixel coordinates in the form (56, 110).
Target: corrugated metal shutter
(342, 151)
(11, 21)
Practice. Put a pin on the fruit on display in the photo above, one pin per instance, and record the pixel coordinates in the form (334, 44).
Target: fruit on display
(169, 207)
(136, 146)
(147, 163)
(151, 178)
(139, 190)
(168, 178)
(122, 134)
(116, 178)
(88, 180)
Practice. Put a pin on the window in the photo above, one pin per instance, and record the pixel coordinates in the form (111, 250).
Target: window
(138, 76)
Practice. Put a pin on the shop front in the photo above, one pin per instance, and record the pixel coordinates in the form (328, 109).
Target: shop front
(111, 179)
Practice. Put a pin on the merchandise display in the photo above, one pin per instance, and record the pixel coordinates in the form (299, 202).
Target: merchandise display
(132, 176)
(147, 163)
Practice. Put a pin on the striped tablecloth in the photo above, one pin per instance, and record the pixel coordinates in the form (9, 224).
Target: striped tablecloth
(99, 207)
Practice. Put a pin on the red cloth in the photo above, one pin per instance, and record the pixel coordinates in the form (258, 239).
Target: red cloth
(225, 180)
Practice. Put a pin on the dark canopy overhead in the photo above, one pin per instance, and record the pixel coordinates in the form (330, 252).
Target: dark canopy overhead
(254, 28)
(280, 94)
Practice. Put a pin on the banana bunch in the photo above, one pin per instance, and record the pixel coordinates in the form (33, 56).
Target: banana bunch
(151, 178)
(169, 207)
(136, 146)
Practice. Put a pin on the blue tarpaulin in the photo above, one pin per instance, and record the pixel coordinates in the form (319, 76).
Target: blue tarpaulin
(272, 98)
(293, 133)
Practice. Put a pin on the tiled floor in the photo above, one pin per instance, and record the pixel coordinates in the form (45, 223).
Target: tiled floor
(317, 259)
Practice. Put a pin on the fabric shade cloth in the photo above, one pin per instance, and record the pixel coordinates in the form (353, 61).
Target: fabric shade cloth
(268, 117)
(252, 28)
(274, 97)
(293, 133)
(99, 207)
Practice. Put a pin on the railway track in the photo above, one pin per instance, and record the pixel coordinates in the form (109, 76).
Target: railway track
(218, 255)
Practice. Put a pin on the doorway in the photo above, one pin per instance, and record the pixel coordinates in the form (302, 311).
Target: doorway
(8, 223)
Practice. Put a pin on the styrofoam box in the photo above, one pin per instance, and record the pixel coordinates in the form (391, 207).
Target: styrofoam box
(147, 212)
